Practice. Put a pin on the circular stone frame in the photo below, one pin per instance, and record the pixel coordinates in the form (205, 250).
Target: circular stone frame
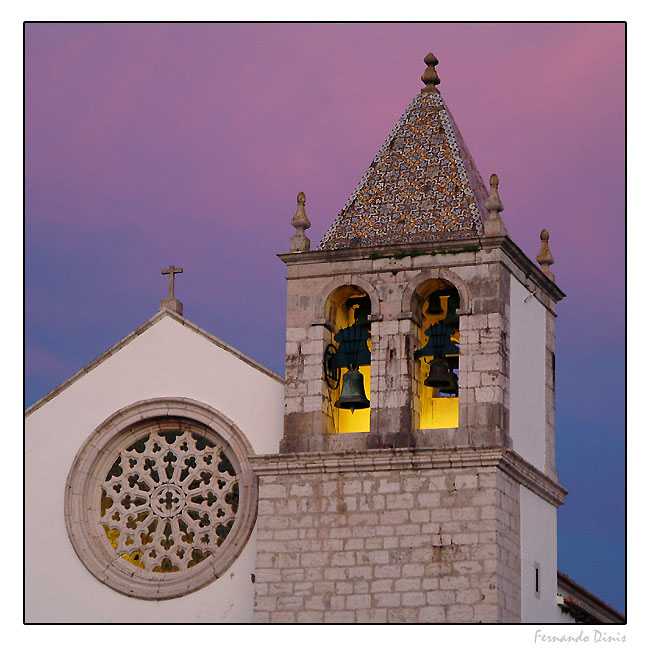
(82, 507)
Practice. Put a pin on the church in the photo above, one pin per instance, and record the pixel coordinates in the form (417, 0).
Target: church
(403, 470)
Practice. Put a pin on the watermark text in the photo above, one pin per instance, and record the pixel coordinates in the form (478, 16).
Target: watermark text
(589, 636)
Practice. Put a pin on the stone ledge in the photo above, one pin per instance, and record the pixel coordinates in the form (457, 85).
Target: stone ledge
(530, 269)
(375, 252)
(437, 247)
(530, 477)
(411, 458)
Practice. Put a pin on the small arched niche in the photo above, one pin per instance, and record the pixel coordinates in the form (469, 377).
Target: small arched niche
(436, 302)
(347, 310)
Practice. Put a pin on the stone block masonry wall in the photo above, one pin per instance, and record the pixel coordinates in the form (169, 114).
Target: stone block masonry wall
(481, 276)
(386, 537)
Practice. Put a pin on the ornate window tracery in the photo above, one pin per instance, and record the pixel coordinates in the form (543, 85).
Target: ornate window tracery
(169, 499)
(159, 508)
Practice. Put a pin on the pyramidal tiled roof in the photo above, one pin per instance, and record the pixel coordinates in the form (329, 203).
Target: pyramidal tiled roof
(422, 186)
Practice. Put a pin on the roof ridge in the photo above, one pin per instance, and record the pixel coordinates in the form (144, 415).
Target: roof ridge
(124, 341)
(584, 592)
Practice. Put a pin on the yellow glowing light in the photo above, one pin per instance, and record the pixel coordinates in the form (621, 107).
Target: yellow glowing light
(344, 420)
(439, 413)
(112, 534)
(134, 558)
(359, 421)
(435, 412)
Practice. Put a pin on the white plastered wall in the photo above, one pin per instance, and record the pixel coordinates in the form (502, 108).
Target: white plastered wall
(527, 375)
(538, 521)
(166, 360)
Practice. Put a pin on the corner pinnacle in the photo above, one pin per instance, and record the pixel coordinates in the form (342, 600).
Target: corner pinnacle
(300, 242)
(493, 204)
(494, 226)
(430, 78)
(544, 257)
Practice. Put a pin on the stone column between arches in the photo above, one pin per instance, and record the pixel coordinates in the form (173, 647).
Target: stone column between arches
(484, 361)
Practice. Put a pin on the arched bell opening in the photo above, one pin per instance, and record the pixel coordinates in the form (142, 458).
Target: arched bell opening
(437, 356)
(346, 363)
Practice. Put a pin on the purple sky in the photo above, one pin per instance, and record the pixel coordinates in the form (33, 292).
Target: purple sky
(150, 145)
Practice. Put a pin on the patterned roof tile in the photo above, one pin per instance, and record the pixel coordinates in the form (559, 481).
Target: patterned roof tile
(422, 186)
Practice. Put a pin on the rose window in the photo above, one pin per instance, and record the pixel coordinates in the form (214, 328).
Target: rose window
(168, 500)
(161, 499)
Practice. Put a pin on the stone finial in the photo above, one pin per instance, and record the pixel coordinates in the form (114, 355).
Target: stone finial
(494, 226)
(430, 78)
(300, 242)
(544, 257)
(493, 203)
(170, 302)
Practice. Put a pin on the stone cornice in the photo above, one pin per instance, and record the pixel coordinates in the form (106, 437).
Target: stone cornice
(412, 458)
(525, 264)
(532, 478)
(518, 257)
(376, 252)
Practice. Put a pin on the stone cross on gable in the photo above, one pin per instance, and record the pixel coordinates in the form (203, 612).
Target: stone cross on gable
(171, 272)
(171, 303)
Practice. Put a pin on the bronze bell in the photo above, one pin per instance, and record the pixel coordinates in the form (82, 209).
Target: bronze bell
(452, 385)
(438, 374)
(435, 306)
(353, 395)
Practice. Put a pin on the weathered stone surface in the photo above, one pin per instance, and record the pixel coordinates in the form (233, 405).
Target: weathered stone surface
(400, 542)
(394, 554)
(394, 391)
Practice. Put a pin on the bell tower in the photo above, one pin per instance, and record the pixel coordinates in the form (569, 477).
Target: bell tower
(420, 377)
(420, 242)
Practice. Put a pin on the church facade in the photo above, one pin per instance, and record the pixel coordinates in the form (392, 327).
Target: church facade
(402, 472)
